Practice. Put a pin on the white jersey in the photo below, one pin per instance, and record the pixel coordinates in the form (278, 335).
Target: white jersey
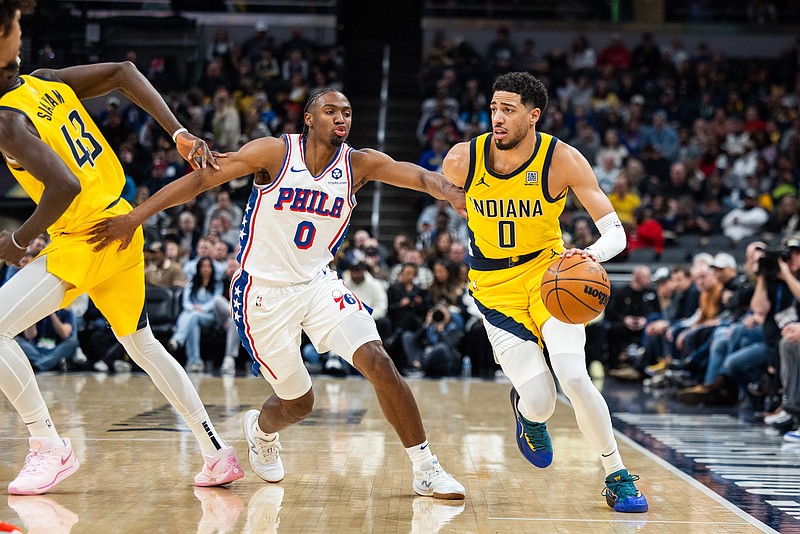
(293, 226)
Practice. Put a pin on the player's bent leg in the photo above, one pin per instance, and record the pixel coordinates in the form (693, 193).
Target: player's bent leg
(533, 400)
(565, 342)
(292, 402)
(28, 297)
(221, 465)
(356, 339)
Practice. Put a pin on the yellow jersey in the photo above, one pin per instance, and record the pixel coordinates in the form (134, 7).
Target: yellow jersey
(513, 214)
(65, 126)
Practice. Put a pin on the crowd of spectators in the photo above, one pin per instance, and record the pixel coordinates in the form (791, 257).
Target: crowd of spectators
(684, 142)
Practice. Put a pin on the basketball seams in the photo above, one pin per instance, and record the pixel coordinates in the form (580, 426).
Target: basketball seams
(555, 278)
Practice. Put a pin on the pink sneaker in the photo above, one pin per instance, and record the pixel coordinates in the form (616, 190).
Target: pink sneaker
(49, 462)
(219, 469)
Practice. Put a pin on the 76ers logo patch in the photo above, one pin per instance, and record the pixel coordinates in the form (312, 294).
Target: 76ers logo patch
(343, 299)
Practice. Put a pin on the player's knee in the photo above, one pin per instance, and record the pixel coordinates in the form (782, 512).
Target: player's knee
(374, 363)
(575, 385)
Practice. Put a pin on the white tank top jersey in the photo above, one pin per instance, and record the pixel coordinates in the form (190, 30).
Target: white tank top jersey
(293, 226)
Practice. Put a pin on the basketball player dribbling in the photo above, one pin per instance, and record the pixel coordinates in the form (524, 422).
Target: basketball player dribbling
(294, 222)
(58, 155)
(516, 182)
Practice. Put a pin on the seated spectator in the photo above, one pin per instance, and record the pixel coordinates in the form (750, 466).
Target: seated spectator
(374, 258)
(423, 277)
(371, 292)
(606, 171)
(188, 232)
(624, 200)
(408, 304)
(52, 342)
(198, 313)
(400, 244)
(647, 232)
(454, 224)
(629, 310)
(159, 270)
(446, 288)
(432, 158)
(224, 204)
(432, 350)
(746, 221)
(439, 249)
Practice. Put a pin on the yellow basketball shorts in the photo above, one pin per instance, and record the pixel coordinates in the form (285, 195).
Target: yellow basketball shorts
(113, 279)
(510, 298)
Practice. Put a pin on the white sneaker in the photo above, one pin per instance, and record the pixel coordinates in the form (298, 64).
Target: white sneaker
(265, 458)
(49, 462)
(431, 515)
(196, 367)
(228, 366)
(42, 514)
(100, 366)
(219, 469)
(122, 367)
(80, 357)
(262, 511)
(778, 418)
(433, 481)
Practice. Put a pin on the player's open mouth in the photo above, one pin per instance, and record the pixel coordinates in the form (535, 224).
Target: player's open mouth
(499, 133)
(340, 131)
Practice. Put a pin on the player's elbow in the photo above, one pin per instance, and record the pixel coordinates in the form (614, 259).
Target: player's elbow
(68, 189)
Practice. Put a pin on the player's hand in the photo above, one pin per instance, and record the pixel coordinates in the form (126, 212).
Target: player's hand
(196, 151)
(8, 252)
(583, 253)
(458, 200)
(105, 232)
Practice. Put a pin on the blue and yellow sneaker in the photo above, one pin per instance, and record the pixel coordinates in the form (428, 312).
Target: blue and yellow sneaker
(621, 492)
(532, 438)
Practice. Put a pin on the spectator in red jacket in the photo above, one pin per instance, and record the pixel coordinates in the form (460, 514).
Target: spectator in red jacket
(648, 232)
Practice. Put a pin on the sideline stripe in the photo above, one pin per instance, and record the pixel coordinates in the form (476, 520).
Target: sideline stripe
(692, 482)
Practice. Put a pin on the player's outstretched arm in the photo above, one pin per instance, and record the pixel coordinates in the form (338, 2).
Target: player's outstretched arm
(89, 81)
(254, 157)
(369, 164)
(61, 186)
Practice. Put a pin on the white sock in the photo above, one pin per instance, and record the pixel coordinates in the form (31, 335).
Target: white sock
(612, 462)
(265, 436)
(419, 454)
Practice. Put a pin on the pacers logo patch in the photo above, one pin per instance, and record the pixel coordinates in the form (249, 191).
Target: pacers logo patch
(531, 177)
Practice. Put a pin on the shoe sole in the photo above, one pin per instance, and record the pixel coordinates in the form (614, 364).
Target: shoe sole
(231, 476)
(60, 477)
(247, 436)
(444, 496)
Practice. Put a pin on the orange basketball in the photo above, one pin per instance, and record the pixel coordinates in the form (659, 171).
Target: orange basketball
(575, 290)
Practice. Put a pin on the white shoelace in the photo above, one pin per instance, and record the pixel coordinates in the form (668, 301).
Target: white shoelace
(268, 450)
(436, 474)
(35, 462)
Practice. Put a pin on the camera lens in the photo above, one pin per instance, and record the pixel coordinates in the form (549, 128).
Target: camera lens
(438, 316)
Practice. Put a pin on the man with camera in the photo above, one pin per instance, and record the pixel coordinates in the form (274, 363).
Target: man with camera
(778, 293)
(432, 350)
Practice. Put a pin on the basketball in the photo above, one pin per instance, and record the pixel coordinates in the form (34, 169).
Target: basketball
(575, 289)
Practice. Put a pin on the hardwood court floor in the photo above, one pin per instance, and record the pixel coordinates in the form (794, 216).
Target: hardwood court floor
(345, 468)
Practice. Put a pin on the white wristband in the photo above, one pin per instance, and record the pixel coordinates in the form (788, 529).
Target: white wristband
(177, 133)
(14, 241)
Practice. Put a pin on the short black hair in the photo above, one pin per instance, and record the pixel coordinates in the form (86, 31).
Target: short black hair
(531, 90)
(8, 11)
